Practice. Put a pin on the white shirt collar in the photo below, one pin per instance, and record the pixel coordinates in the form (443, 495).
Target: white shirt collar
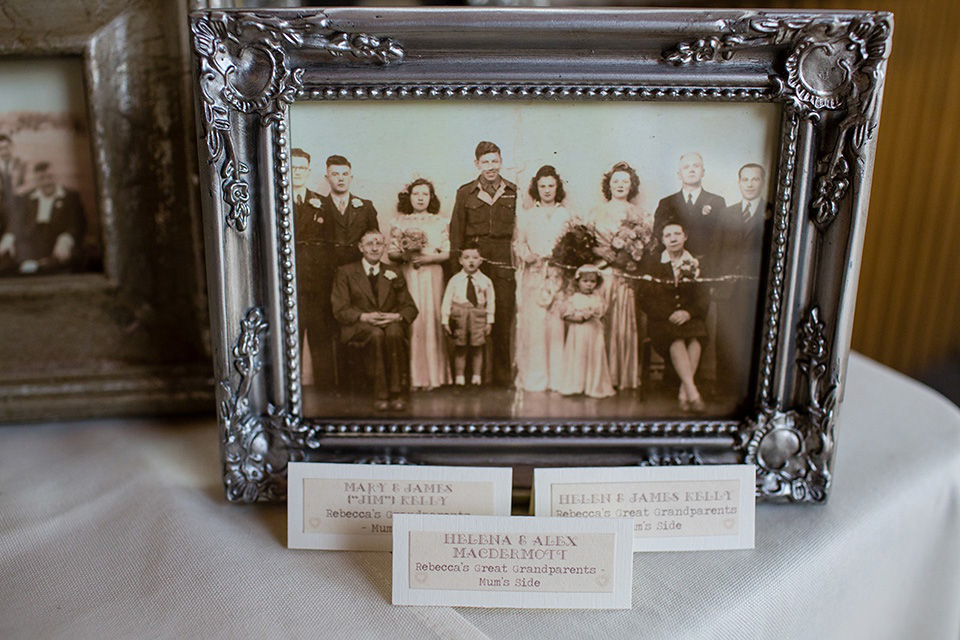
(59, 192)
(687, 191)
(367, 266)
(665, 257)
(338, 200)
(45, 204)
(752, 203)
(300, 194)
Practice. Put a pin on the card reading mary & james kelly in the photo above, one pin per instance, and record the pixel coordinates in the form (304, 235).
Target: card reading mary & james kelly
(351, 507)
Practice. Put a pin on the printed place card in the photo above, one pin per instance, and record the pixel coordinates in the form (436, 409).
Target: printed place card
(674, 508)
(522, 562)
(351, 506)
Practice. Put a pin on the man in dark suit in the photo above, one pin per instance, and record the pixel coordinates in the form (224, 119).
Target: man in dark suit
(314, 273)
(744, 230)
(48, 231)
(374, 308)
(346, 218)
(13, 173)
(695, 208)
(485, 211)
(12, 179)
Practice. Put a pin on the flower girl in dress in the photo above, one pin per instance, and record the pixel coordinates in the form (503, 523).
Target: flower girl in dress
(584, 352)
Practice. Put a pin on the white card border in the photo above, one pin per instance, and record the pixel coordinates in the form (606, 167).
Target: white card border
(746, 474)
(620, 598)
(297, 472)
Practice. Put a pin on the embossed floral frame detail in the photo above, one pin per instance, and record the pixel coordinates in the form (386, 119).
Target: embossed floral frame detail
(826, 69)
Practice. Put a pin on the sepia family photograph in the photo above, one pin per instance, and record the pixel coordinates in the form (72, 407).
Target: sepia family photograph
(530, 260)
(48, 214)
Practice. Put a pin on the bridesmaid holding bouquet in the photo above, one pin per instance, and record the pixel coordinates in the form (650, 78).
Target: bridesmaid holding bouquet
(420, 243)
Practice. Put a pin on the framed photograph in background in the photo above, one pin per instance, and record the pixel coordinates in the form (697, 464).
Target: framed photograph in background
(48, 213)
(102, 304)
(438, 237)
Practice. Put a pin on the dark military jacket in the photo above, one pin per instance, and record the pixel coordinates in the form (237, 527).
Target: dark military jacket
(488, 220)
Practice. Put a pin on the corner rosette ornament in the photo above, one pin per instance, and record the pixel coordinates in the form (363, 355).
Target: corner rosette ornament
(792, 450)
(776, 447)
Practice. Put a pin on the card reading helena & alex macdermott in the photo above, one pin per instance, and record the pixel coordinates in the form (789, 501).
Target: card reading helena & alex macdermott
(522, 562)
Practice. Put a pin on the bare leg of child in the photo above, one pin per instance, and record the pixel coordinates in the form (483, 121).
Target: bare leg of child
(460, 365)
(477, 364)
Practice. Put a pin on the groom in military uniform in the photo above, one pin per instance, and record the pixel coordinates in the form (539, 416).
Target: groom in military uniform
(485, 211)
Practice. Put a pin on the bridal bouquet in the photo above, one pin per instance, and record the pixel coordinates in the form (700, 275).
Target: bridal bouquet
(412, 241)
(627, 245)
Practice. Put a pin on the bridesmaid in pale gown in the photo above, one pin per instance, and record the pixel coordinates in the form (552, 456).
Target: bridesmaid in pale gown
(620, 186)
(420, 242)
(540, 328)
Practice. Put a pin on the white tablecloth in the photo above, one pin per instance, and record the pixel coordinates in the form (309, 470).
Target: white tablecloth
(118, 529)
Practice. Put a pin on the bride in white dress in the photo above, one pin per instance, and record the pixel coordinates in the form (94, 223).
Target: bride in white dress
(540, 327)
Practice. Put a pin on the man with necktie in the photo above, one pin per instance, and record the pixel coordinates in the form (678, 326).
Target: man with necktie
(314, 273)
(374, 309)
(744, 232)
(485, 212)
(694, 207)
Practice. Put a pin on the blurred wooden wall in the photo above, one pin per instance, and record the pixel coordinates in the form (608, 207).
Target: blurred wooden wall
(908, 304)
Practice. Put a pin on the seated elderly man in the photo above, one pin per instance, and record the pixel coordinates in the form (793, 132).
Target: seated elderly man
(45, 232)
(374, 309)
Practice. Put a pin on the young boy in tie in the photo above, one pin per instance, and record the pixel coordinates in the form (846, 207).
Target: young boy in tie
(467, 313)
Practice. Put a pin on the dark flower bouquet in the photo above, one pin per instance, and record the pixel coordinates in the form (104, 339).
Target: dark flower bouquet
(575, 248)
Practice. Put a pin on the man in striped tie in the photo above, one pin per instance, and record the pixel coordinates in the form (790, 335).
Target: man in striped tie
(744, 232)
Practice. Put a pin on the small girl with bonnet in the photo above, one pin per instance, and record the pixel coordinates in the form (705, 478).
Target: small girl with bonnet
(584, 350)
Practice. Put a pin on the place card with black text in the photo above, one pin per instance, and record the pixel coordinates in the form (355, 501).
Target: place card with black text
(351, 506)
(675, 508)
(520, 561)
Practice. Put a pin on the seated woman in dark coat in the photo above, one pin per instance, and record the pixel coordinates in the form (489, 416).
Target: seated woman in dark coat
(676, 306)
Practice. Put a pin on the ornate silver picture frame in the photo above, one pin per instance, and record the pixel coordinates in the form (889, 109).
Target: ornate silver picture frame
(823, 72)
(124, 333)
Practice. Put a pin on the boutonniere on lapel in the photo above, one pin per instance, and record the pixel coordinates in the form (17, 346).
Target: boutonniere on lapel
(390, 275)
(315, 203)
(356, 203)
(707, 209)
(58, 203)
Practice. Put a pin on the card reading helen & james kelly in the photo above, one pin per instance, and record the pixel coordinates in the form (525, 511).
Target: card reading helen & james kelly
(351, 506)
(689, 508)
